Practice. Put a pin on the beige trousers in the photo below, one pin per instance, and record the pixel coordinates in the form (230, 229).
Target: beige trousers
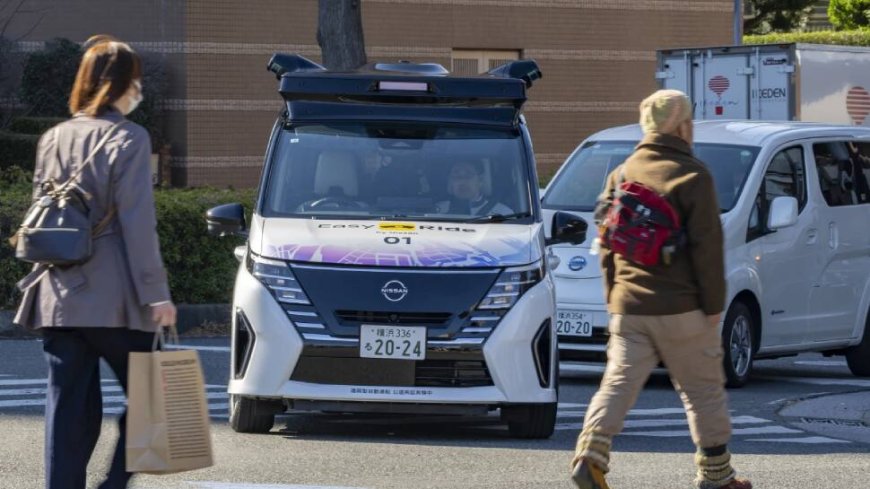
(691, 350)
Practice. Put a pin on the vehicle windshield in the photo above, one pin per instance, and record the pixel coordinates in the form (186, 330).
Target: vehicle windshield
(391, 171)
(582, 180)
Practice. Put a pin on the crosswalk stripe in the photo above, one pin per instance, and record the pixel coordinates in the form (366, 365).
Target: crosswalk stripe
(106, 400)
(39, 391)
(825, 381)
(762, 430)
(807, 440)
(653, 423)
(198, 348)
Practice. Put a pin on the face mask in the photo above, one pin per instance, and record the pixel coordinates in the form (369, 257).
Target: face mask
(136, 98)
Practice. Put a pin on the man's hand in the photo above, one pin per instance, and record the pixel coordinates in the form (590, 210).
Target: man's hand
(164, 314)
(713, 319)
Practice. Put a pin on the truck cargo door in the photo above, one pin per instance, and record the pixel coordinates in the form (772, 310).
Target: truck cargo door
(772, 86)
(674, 72)
(721, 86)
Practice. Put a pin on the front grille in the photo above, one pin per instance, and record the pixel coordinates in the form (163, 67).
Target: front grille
(398, 373)
(452, 373)
(375, 317)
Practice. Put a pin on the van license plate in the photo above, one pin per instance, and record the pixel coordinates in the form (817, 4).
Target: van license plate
(396, 342)
(573, 323)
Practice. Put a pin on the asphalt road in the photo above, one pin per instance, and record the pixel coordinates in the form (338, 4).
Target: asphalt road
(775, 449)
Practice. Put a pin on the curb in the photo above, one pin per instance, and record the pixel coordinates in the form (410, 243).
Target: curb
(190, 316)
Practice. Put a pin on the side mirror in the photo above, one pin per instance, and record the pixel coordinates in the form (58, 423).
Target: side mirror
(783, 213)
(567, 228)
(227, 219)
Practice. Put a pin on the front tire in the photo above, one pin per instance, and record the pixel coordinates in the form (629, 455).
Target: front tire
(858, 356)
(738, 341)
(250, 416)
(531, 421)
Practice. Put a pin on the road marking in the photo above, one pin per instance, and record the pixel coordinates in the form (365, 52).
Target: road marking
(825, 381)
(656, 411)
(40, 391)
(661, 423)
(572, 405)
(105, 381)
(822, 363)
(809, 440)
(762, 430)
(106, 400)
(198, 348)
(652, 423)
(243, 485)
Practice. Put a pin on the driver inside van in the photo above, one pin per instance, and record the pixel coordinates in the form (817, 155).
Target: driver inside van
(465, 185)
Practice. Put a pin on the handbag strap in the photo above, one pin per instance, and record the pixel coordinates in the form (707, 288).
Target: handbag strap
(61, 191)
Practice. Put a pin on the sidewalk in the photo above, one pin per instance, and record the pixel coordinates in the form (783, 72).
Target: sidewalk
(842, 416)
(200, 319)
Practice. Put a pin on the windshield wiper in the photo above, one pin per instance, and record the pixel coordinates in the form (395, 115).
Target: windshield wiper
(500, 217)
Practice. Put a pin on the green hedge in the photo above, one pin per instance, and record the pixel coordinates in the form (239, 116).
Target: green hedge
(201, 268)
(34, 125)
(17, 150)
(859, 37)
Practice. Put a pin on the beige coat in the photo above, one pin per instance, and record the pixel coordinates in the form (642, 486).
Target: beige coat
(125, 273)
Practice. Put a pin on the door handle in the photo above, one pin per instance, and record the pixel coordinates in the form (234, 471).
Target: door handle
(833, 236)
(812, 236)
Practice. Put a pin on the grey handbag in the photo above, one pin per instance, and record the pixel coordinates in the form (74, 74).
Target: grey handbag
(57, 228)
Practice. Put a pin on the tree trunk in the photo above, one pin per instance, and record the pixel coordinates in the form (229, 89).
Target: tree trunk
(340, 34)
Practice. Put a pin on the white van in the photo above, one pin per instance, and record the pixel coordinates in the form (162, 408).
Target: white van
(395, 260)
(796, 217)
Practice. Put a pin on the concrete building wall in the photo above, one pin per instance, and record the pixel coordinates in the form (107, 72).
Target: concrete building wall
(597, 57)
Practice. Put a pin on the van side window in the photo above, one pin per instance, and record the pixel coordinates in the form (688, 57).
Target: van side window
(844, 170)
(785, 176)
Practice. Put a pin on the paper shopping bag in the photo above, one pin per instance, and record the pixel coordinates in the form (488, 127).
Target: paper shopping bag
(167, 413)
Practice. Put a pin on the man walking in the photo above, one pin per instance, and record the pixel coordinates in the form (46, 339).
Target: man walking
(668, 311)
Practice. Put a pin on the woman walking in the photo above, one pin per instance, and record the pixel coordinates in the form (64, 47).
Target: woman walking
(113, 303)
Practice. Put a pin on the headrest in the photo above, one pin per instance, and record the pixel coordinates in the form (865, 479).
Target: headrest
(336, 174)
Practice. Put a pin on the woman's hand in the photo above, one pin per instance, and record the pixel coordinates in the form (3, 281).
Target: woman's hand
(164, 314)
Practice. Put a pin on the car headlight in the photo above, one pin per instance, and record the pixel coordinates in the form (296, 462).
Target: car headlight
(278, 278)
(512, 283)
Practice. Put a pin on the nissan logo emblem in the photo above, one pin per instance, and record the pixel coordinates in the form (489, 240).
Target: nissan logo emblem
(577, 263)
(394, 291)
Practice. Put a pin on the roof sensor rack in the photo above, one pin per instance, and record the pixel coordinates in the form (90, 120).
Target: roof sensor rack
(526, 70)
(281, 63)
(402, 90)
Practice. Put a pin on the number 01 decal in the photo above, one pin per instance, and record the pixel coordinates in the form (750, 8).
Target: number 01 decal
(397, 240)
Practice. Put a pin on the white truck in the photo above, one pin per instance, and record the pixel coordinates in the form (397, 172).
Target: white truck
(793, 82)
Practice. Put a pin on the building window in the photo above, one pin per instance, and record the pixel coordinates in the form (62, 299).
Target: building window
(473, 62)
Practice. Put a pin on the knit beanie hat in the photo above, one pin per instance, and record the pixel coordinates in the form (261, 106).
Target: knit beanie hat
(664, 111)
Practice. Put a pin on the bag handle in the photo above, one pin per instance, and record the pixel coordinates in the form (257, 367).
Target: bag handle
(161, 338)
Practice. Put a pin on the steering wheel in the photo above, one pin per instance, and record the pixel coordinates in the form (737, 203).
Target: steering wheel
(337, 202)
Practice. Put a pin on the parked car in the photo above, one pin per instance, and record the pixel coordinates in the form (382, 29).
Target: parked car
(395, 260)
(796, 217)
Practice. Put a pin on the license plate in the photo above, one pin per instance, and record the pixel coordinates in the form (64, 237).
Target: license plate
(395, 342)
(574, 323)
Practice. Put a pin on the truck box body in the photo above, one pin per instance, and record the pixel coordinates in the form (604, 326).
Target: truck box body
(797, 82)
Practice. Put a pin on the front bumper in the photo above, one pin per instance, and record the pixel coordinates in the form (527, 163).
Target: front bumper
(271, 366)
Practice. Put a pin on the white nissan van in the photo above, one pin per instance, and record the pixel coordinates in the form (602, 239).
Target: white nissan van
(395, 259)
(796, 216)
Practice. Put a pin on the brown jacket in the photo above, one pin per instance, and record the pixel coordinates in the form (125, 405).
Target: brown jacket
(125, 273)
(696, 278)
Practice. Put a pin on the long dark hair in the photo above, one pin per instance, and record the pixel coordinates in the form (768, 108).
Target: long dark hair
(106, 72)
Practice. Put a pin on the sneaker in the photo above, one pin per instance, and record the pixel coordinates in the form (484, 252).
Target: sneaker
(588, 476)
(738, 484)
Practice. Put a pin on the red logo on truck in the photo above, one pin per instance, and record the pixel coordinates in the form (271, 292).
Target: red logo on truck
(858, 105)
(718, 85)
